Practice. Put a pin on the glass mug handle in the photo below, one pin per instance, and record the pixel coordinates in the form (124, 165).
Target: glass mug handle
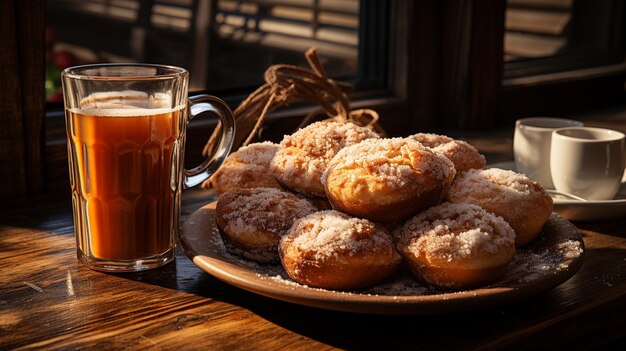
(207, 103)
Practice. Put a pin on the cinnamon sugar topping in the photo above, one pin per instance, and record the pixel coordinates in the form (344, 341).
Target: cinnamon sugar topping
(304, 155)
(492, 188)
(326, 233)
(454, 232)
(530, 264)
(487, 181)
(393, 161)
(262, 209)
(256, 153)
(248, 167)
(462, 154)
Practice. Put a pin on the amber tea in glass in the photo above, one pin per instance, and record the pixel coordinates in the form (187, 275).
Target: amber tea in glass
(126, 135)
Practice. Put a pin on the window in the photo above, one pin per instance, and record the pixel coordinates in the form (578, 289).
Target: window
(457, 64)
(536, 29)
(562, 56)
(547, 36)
(225, 44)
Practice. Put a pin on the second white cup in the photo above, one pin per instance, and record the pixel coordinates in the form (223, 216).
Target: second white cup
(531, 146)
(587, 162)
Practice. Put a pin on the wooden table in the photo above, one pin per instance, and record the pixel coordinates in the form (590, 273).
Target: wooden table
(48, 300)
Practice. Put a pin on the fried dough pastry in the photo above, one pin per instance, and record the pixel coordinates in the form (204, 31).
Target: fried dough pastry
(332, 250)
(387, 180)
(522, 202)
(252, 221)
(304, 155)
(456, 246)
(462, 154)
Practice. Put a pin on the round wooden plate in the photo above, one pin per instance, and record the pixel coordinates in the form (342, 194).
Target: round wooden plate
(546, 263)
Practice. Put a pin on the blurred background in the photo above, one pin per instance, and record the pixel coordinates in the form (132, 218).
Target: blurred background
(225, 44)
(228, 44)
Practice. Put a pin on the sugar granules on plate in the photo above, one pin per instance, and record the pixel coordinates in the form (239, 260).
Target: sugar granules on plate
(528, 265)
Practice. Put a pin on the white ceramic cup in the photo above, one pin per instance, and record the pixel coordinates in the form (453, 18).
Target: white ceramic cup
(588, 162)
(531, 146)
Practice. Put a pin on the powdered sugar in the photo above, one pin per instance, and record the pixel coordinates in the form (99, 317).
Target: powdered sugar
(522, 202)
(256, 153)
(262, 209)
(394, 161)
(493, 183)
(454, 232)
(551, 254)
(327, 232)
(304, 155)
(529, 265)
(463, 155)
(248, 167)
(402, 285)
(241, 257)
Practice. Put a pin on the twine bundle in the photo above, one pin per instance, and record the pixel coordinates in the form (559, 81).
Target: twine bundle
(285, 84)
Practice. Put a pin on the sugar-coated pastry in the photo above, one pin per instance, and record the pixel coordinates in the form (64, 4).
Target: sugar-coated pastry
(331, 250)
(248, 167)
(252, 221)
(387, 179)
(462, 154)
(303, 156)
(456, 246)
(522, 202)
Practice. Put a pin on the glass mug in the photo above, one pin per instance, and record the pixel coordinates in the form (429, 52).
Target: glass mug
(126, 128)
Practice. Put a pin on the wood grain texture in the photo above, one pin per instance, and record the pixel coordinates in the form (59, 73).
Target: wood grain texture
(22, 98)
(471, 61)
(12, 165)
(486, 62)
(423, 68)
(31, 29)
(48, 300)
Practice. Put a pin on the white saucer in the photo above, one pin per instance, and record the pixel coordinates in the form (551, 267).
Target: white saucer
(592, 210)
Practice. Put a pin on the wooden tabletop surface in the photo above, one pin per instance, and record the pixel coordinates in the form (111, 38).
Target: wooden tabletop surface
(48, 300)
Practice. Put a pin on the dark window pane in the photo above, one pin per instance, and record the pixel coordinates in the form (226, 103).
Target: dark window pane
(225, 44)
(545, 36)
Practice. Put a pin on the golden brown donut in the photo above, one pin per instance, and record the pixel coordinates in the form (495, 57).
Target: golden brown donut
(248, 167)
(522, 202)
(456, 246)
(462, 154)
(252, 221)
(331, 250)
(387, 179)
(303, 156)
